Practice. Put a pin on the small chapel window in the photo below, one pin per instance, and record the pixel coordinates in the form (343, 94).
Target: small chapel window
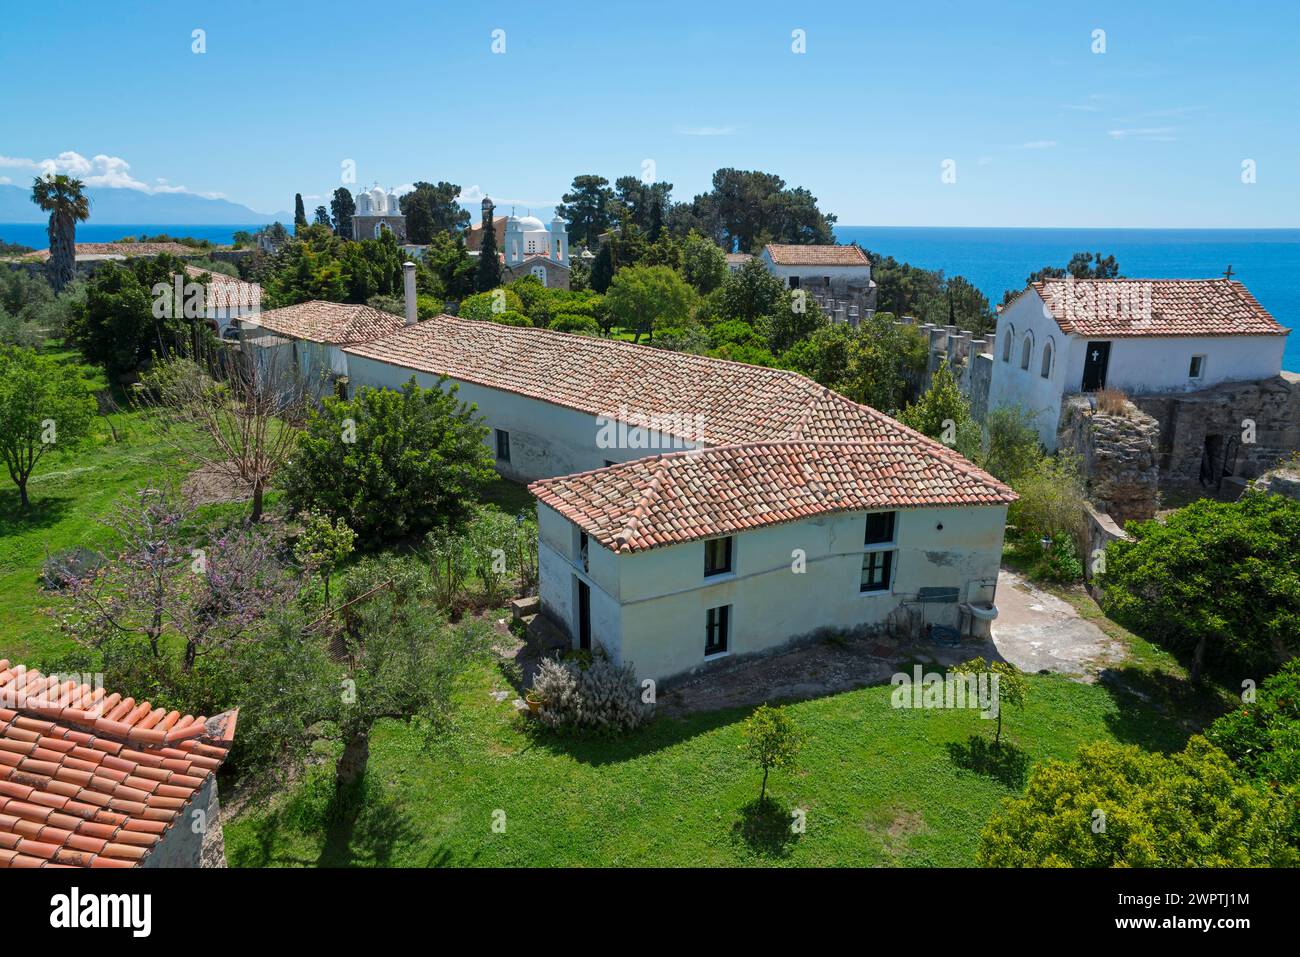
(1197, 368)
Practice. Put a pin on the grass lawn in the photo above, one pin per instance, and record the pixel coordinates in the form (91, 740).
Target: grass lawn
(69, 494)
(879, 786)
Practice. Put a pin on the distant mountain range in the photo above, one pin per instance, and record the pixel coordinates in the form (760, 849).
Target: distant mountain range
(128, 206)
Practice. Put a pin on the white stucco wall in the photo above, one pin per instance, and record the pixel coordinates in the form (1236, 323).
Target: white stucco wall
(1011, 385)
(545, 439)
(1143, 364)
(855, 274)
(662, 597)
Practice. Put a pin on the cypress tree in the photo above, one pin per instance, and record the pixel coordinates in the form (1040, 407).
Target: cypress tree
(299, 212)
(489, 266)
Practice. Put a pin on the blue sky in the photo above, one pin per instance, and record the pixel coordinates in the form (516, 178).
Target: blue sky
(1043, 131)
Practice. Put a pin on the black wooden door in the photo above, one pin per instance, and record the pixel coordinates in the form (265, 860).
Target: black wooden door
(584, 615)
(1094, 366)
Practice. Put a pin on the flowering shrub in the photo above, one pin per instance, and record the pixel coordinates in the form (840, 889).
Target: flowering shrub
(602, 697)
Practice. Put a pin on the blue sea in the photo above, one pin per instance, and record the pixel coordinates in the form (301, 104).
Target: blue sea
(34, 235)
(994, 259)
(1267, 261)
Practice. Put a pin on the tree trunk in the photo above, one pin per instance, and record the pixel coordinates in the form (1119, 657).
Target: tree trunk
(353, 760)
(22, 495)
(762, 792)
(1198, 661)
(257, 500)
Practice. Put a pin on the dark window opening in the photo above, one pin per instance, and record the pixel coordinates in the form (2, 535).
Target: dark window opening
(880, 528)
(717, 556)
(875, 570)
(717, 629)
(503, 445)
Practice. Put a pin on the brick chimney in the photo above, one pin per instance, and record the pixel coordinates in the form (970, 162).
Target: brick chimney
(408, 287)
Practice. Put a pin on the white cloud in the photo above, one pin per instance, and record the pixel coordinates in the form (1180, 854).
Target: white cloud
(706, 130)
(1150, 134)
(100, 170)
(1037, 145)
(5, 181)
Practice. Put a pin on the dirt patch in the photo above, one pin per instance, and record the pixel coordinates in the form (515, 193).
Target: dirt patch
(212, 484)
(894, 828)
(812, 671)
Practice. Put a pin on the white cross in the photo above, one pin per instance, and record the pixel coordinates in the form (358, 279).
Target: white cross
(1095, 355)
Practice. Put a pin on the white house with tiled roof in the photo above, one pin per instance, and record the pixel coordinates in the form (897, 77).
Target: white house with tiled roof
(684, 559)
(227, 298)
(309, 337)
(837, 277)
(1065, 336)
(738, 506)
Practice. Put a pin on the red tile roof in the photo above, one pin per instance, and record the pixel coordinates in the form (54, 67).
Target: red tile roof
(692, 495)
(227, 292)
(128, 250)
(335, 323)
(1118, 308)
(719, 401)
(95, 780)
(784, 255)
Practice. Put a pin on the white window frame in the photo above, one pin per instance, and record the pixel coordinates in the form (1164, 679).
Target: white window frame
(1201, 372)
(890, 546)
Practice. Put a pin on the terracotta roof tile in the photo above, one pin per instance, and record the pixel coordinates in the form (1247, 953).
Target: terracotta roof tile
(681, 395)
(786, 255)
(227, 292)
(128, 250)
(1118, 308)
(697, 494)
(69, 795)
(335, 323)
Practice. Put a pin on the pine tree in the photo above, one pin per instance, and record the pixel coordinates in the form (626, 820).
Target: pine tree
(323, 217)
(489, 266)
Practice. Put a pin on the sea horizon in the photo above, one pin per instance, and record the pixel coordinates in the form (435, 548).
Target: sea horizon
(993, 258)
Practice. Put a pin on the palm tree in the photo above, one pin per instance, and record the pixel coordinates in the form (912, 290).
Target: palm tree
(62, 197)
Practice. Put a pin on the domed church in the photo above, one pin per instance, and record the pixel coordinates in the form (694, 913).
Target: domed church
(378, 210)
(528, 248)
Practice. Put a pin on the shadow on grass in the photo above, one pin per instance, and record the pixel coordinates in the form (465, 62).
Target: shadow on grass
(662, 732)
(1002, 762)
(1156, 710)
(764, 827)
(45, 511)
(361, 827)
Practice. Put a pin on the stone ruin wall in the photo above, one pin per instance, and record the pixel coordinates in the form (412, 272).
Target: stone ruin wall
(1236, 431)
(1117, 456)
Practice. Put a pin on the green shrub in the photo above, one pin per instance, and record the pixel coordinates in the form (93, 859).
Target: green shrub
(1119, 806)
(1217, 580)
(581, 325)
(391, 464)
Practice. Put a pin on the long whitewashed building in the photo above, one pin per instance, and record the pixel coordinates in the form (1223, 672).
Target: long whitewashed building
(693, 509)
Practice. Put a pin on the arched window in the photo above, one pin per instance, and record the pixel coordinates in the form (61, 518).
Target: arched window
(1010, 335)
(1046, 372)
(540, 273)
(1026, 351)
